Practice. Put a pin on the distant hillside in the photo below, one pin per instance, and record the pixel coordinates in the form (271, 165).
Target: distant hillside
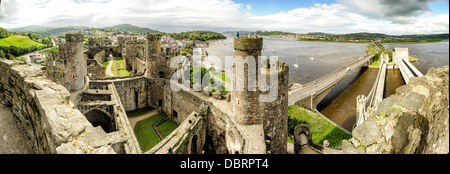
(269, 33)
(131, 28)
(198, 35)
(32, 28)
(366, 37)
(63, 30)
(73, 29)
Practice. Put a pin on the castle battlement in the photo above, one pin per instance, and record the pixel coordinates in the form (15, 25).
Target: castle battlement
(153, 36)
(76, 37)
(251, 44)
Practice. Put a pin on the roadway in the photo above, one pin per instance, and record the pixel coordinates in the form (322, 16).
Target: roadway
(327, 81)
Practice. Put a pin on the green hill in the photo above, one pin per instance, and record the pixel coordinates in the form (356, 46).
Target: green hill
(32, 28)
(19, 41)
(131, 28)
(63, 30)
(198, 35)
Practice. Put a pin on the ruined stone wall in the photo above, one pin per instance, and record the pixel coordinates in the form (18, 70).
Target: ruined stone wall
(132, 93)
(157, 95)
(44, 110)
(95, 66)
(134, 56)
(121, 44)
(275, 120)
(56, 69)
(98, 42)
(222, 136)
(180, 104)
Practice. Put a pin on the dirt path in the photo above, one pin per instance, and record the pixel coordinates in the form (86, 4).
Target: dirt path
(134, 120)
(108, 69)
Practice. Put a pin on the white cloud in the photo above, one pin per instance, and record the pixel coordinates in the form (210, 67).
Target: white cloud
(218, 15)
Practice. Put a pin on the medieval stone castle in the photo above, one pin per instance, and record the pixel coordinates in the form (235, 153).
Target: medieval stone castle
(79, 110)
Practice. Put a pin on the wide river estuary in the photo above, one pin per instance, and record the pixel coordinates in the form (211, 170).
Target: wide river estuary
(316, 59)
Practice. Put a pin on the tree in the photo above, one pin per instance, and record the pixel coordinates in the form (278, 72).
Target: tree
(2, 54)
(4, 33)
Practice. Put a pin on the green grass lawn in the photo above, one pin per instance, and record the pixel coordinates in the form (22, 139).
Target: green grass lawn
(375, 63)
(139, 112)
(19, 41)
(371, 49)
(122, 70)
(106, 63)
(146, 135)
(119, 61)
(167, 127)
(321, 129)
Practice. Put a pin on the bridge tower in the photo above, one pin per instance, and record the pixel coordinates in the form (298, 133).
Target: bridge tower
(153, 54)
(72, 53)
(245, 100)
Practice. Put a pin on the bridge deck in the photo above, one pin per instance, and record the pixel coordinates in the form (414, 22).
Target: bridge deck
(379, 92)
(325, 82)
(408, 70)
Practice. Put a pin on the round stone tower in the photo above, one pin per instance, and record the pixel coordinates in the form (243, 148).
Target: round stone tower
(153, 54)
(275, 111)
(245, 98)
(75, 62)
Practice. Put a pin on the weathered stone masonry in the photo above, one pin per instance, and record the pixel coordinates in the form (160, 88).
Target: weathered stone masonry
(44, 109)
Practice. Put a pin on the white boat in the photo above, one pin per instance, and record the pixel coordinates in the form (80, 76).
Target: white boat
(273, 51)
(312, 58)
(296, 66)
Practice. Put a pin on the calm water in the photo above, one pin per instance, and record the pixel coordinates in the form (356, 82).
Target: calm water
(327, 56)
(430, 54)
(340, 104)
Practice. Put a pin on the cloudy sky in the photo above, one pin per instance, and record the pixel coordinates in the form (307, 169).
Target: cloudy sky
(332, 16)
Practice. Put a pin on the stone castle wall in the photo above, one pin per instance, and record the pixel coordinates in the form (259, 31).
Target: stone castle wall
(132, 93)
(44, 110)
(134, 56)
(95, 66)
(275, 113)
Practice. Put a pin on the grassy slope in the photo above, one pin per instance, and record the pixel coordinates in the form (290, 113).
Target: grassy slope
(19, 41)
(321, 129)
